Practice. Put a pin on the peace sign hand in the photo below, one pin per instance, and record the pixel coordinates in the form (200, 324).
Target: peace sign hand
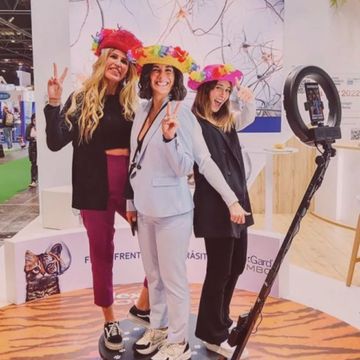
(54, 86)
(244, 93)
(169, 123)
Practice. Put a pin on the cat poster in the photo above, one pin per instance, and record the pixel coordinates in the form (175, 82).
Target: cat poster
(59, 262)
(42, 270)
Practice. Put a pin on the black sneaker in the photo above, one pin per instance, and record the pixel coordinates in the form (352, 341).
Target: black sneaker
(112, 336)
(139, 317)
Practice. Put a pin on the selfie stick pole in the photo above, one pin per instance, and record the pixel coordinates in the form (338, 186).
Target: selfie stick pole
(241, 333)
(318, 134)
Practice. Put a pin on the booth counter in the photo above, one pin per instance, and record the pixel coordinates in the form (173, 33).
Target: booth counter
(71, 247)
(335, 201)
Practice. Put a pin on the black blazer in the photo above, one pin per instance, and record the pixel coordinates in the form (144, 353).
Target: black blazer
(89, 166)
(211, 214)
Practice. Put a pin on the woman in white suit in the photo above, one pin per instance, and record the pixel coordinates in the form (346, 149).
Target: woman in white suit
(166, 139)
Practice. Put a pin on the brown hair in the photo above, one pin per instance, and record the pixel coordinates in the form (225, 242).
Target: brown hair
(202, 108)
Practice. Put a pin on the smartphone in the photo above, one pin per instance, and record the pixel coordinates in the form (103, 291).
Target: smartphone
(133, 226)
(314, 104)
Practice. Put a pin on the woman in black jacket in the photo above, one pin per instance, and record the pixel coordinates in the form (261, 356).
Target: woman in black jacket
(97, 119)
(31, 137)
(225, 241)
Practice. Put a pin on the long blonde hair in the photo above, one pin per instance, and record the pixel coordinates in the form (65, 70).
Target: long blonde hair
(223, 118)
(91, 98)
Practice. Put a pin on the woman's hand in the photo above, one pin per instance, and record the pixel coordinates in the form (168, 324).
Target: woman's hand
(55, 88)
(237, 213)
(169, 123)
(131, 216)
(244, 93)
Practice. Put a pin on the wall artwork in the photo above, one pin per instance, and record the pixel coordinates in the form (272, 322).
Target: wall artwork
(245, 33)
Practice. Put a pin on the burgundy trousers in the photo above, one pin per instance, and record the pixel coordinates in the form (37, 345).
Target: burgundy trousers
(100, 229)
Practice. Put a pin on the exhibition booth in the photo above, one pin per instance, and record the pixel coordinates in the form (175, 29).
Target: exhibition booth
(279, 49)
(21, 102)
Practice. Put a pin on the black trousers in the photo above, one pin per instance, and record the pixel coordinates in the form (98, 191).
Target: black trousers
(33, 160)
(226, 261)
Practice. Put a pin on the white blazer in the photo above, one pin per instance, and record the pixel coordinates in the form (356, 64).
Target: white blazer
(159, 179)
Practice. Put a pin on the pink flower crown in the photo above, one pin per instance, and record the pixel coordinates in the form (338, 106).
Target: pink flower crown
(161, 54)
(214, 72)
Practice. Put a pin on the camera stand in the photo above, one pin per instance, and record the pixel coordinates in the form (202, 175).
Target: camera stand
(241, 333)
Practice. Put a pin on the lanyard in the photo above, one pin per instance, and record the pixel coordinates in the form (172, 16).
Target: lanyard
(137, 150)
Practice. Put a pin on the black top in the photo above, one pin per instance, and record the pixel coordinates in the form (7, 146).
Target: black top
(89, 166)
(114, 127)
(211, 214)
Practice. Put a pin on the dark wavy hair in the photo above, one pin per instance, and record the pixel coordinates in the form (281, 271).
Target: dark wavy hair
(178, 91)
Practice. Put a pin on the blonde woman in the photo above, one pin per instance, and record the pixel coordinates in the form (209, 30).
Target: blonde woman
(97, 119)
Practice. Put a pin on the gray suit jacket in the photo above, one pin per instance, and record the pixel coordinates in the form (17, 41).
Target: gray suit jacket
(159, 179)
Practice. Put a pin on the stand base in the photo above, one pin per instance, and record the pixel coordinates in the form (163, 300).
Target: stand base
(133, 332)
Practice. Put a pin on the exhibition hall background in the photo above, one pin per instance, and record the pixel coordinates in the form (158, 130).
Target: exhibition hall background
(329, 41)
(274, 39)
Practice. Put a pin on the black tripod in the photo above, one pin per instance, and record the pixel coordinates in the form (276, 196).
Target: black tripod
(241, 333)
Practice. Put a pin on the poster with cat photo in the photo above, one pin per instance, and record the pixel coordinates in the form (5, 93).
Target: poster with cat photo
(42, 270)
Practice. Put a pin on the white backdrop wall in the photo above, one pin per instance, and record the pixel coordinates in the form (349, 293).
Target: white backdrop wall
(50, 29)
(53, 41)
(314, 34)
(213, 32)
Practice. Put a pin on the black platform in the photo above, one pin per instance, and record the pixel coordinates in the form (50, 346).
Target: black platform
(133, 332)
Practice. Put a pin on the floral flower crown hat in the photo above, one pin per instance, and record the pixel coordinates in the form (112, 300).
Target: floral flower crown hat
(161, 54)
(214, 72)
(120, 39)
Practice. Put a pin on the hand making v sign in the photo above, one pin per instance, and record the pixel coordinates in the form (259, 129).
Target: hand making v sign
(170, 123)
(54, 86)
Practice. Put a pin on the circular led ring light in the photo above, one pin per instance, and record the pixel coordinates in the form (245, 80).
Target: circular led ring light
(291, 105)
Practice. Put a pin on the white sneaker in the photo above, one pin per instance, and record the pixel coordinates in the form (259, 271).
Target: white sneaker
(226, 350)
(232, 326)
(33, 184)
(150, 341)
(173, 351)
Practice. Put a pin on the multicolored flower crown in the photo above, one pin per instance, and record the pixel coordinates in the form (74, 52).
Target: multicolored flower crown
(214, 72)
(161, 54)
(120, 39)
